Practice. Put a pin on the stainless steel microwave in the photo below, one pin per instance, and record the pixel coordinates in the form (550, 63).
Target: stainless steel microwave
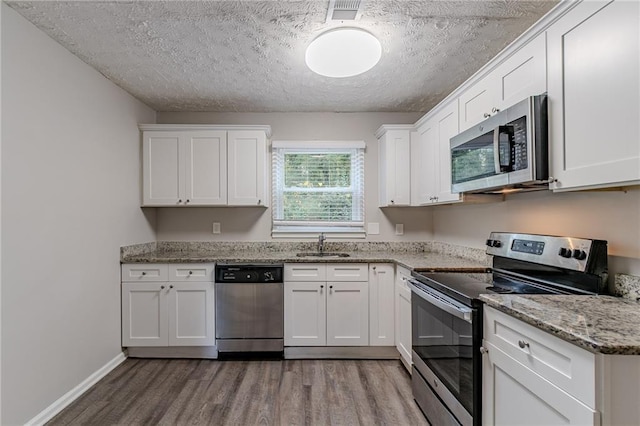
(508, 150)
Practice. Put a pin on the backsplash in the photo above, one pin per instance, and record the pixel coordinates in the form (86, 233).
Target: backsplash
(474, 254)
(627, 286)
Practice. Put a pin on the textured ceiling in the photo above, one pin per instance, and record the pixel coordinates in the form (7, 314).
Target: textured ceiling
(249, 55)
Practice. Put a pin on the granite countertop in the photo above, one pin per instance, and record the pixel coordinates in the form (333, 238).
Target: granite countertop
(411, 260)
(600, 324)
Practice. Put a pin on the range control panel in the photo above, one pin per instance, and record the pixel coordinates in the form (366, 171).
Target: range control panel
(564, 252)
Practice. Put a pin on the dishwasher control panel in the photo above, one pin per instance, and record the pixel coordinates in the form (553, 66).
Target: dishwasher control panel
(249, 273)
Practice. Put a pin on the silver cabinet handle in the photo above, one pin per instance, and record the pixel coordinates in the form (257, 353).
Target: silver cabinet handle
(523, 344)
(484, 350)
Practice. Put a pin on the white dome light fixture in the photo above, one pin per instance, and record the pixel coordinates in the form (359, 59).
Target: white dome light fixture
(343, 52)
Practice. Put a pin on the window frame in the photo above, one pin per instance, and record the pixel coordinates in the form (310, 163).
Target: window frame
(281, 228)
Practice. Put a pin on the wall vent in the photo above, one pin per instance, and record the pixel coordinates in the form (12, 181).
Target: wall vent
(344, 10)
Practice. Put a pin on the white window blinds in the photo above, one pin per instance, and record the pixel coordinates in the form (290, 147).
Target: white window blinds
(318, 186)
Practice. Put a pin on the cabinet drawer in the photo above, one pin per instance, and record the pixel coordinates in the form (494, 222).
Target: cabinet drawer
(191, 272)
(305, 272)
(348, 272)
(134, 272)
(567, 366)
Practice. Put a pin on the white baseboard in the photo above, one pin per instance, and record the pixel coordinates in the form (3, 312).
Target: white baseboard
(66, 399)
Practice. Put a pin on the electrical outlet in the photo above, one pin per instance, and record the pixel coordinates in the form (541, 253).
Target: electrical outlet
(373, 228)
(399, 229)
(216, 227)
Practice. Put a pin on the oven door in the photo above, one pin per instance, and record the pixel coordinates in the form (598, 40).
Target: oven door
(443, 349)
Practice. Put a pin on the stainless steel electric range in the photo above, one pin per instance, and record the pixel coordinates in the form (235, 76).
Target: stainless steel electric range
(447, 315)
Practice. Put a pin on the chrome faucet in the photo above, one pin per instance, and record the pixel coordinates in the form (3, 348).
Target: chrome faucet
(321, 239)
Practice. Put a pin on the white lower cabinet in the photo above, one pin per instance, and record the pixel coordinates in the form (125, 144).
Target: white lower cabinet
(174, 312)
(403, 316)
(530, 377)
(381, 304)
(328, 305)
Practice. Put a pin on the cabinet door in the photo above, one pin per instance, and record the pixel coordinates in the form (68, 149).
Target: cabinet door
(163, 178)
(206, 168)
(247, 178)
(477, 102)
(144, 314)
(424, 154)
(395, 168)
(523, 74)
(191, 317)
(381, 305)
(347, 314)
(594, 102)
(514, 395)
(305, 314)
(447, 122)
(403, 316)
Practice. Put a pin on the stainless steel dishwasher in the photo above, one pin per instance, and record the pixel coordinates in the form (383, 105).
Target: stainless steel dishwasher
(249, 307)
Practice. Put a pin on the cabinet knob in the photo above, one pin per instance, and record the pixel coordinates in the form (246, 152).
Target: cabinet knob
(374, 268)
(392, 201)
(259, 202)
(487, 115)
(321, 287)
(171, 286)
(161, 287)
(180, 201)
(143, 273)
(190, 272)
(523, 344)
(484, 350)
(187, 201)
(494, 110)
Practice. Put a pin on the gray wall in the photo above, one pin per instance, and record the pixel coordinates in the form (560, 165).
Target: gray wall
(254, 224)
(70, 199)
(609, 215)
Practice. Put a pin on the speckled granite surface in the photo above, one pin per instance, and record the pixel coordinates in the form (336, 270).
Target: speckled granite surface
(627, 286)
(410, 255)
(605, 324)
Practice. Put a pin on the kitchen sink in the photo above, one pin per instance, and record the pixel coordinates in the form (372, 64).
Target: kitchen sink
(322, 254)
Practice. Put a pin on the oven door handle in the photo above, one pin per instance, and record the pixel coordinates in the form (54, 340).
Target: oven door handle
(462, 312)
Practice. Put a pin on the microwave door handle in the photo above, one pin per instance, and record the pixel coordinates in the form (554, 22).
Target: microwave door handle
(497, 132)
(496, 150)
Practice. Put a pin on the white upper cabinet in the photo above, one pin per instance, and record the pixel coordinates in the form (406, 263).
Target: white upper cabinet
(163, 177)
(520, 75)
(206, 168)
(394, 165)
(594, 95)
(247, 168)
(185, 165)
(431, 158)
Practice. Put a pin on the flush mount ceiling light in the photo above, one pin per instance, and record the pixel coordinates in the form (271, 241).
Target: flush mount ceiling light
(343, 52)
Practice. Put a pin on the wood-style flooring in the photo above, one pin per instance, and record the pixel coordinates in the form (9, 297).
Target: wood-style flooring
(255, 392)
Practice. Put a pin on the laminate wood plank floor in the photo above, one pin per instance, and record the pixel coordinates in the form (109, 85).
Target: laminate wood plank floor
(248, 392)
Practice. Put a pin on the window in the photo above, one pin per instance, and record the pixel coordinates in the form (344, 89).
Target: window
(318, 187)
